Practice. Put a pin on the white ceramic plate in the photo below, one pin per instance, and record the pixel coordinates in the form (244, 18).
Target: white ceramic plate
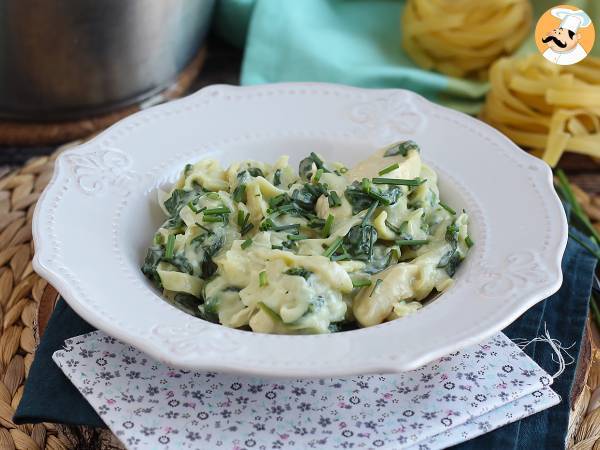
(97, 216)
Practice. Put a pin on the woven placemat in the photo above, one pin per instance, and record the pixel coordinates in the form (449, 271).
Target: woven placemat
(26, 302)
(21, 133)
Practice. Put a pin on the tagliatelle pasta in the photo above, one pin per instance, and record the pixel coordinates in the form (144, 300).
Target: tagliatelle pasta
(325, 249)
(546, 107)
(463, 37)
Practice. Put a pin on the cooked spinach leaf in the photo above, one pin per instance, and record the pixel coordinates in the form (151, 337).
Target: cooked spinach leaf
(153, 257)
(452, 259)
(360, 240)
(188, 303)
(361, 195)
(299, 272)
(402, 148)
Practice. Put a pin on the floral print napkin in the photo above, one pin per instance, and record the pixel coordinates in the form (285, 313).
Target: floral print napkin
(149, 405)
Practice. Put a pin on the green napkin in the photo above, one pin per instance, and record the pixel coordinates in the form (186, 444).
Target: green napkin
(354, 42)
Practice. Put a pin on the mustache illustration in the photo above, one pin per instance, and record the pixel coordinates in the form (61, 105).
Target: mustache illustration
(556, 41)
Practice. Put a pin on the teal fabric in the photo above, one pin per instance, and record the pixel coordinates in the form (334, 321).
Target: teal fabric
(345, 41)
(354, 42)
(231, 20)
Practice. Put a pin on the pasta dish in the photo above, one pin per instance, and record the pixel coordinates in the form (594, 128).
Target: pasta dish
(265, 248)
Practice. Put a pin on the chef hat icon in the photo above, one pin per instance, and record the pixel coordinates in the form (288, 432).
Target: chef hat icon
(570, 19)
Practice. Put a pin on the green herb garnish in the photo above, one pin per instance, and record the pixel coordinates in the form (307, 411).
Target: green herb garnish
(447, 208)
(401, 148)
(170, 246)
(213, 219)
(217, 211)
(296, 237)
(277, 177)
(389, 169)
(412, 241)
(334, 199)
(262, 279)
(333, 247)
(361, 283)
(247, 243)
(239, 193)
(469, 242)
(399, 181)
(203, 227)
(393, 227)
(328, 225)
(377, 283)
(192, 207)
(299, 272)
(317, 176)
(370, 212)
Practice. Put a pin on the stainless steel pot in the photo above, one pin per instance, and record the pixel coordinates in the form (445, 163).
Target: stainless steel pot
(67, 58)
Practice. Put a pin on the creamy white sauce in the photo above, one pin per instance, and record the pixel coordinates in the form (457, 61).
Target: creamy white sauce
(251, 257)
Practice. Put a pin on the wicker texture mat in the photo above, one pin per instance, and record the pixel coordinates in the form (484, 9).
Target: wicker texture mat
(26, 302)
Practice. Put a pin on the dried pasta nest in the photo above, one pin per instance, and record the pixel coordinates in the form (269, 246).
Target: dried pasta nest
(546, 107)
(463, 38)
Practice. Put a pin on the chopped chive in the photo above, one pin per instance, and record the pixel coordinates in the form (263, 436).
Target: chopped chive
(247, 243)
(240, 218)
(316, 223)
(203, 227)
(334, 199)
(296, 237)
(317, 176)
(366, 185)
(277, 247)
(344, 254)
(213, 219)
(247, 227)
(318, 161)
(389, 169)
(262, 279)
(412, 241)
(213, 196)
(333, 247)
(469, 241)
(399, 181)
(370, 212)
(217, 211)
(292, 226)
(377, 283)
(170, 246)
(447, 208)
(192, 207)
(158, 239)
(343, 169)
(328, 225)
(361, 283)
(393, 227)
(239, 193)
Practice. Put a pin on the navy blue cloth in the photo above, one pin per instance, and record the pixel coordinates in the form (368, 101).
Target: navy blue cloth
(564, 314)
(50, 397)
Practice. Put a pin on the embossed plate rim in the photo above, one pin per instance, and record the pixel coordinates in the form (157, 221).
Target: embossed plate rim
(371, 115)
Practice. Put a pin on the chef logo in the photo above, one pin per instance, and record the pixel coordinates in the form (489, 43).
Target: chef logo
(564, 35)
